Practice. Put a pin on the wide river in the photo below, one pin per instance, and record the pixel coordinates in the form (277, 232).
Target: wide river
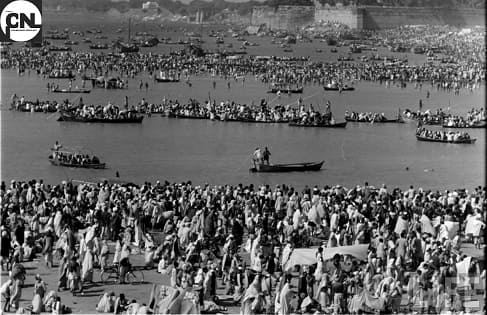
(219, 152)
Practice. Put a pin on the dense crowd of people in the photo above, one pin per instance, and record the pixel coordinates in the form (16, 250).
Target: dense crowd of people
(465, 48)
(246, 236)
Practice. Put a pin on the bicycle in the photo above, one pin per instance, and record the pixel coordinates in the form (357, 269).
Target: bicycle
(113, 272)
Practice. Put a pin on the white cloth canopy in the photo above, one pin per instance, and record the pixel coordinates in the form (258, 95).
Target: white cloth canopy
(307, 256)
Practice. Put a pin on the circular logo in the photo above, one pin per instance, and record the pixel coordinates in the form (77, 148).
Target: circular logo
(20, 20)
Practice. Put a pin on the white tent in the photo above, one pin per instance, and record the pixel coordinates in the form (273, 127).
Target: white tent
(307, 256)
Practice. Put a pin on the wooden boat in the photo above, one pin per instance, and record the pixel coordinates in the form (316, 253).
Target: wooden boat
(99, 46)
(337, 88)
(60, 48)
(71, 91)
(286, 90)
(167, 80)
(466, 141)
(481, 124)
(335, 125)
(384, 121)
(281, 168)
(71, 118)
(92, 166)
(182, 116)
(62, 76)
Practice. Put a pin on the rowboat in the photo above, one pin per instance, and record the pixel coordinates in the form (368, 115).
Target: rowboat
(328, 125)
(62, 76)
(183, 116)
(481, 124)
(281, 168)
(384, 121)
(71, 91)
(286, 90)
(92, 166)
(337, 88)
(124, 120)
(167, 80)
(466, 141)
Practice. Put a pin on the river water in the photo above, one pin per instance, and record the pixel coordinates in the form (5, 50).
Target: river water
(219, 152)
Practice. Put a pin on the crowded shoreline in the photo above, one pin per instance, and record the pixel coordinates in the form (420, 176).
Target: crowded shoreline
(413, 240)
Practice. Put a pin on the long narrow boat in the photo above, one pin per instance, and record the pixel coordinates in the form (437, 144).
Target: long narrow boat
(254, 121)
(281, 168)
(182, 116)
(384, 121)
(481, 124)
(167, 80)
(466, 141)
(336, 88)
(127, 120)
(71, 91)
(335, 125)
(91, 165)
(286, 90)
(62, 76)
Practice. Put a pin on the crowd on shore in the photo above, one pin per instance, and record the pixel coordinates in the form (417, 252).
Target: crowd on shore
(398, 242)
(468, 72)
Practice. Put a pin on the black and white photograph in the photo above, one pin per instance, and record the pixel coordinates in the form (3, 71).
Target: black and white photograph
(243, 157)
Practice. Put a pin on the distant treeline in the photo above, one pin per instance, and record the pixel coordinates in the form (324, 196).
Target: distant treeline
(244, 8)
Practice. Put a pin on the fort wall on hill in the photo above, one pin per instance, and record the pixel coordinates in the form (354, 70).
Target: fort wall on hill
(283, 17)
(368, 17)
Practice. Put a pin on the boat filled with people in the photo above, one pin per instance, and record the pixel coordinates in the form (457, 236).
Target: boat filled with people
(37, 106)
(423, 134)
(312, 118)
(283, 89)
(75, 160)
(100, 114)
(166, 80)
(68, 90)
(460, 122)
(427, 117)
(371, 118)
(61, 74)
(338, 87)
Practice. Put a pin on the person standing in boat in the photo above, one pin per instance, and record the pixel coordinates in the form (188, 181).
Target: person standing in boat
(57, 146)
(266, 155)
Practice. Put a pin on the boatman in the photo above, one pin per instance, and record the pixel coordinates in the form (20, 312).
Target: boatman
(57, 146)
(266, 155)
